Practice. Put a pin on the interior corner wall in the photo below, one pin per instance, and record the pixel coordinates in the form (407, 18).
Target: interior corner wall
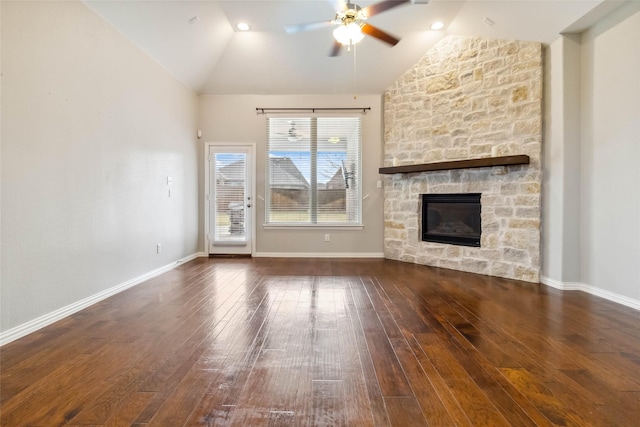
(91, 129)
(233, 119)
(591, 202)
(561, 161)
(610, 153)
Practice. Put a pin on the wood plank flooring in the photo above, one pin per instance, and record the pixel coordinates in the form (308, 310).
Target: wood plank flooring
(325, 342)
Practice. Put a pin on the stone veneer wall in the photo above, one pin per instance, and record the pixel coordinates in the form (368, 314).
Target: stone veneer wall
(468, 98)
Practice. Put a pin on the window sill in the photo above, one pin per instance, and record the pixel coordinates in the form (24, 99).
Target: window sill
(313, 226)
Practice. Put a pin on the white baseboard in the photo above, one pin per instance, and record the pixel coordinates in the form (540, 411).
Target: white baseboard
(576, 286)
(49, 318)
(318, 255)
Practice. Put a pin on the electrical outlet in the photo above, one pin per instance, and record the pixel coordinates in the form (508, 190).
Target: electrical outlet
(327, 237)
(158, 248)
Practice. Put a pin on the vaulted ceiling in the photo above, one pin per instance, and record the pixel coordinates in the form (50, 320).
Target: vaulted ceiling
(198, 43)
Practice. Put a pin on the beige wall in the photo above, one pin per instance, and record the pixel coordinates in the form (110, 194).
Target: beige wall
(610, 141)
(233, 118)
(561, 161)
(592, 148)
(91, 128)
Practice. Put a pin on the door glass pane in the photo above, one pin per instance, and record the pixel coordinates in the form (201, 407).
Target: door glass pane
(230, 197)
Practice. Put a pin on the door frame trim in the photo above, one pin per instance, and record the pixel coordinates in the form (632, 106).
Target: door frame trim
(252, 147)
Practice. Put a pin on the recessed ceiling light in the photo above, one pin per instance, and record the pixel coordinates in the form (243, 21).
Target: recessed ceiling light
(243, 26)
(437, 26)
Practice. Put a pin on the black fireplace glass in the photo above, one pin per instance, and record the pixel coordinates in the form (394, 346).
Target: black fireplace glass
(452, 218)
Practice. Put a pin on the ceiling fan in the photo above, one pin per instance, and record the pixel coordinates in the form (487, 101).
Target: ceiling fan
(350, 24)
(292, 134)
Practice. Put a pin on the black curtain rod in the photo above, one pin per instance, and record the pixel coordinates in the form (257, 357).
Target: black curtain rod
(313, 110)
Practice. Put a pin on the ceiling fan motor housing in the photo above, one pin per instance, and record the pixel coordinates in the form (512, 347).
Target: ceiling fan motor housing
(352, 14)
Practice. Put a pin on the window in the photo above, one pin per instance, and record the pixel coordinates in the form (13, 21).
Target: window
(313, 170)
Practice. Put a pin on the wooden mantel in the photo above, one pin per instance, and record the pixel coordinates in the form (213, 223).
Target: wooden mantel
(484, 162)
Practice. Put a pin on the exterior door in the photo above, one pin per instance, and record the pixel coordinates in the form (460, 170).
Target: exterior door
(229, 197)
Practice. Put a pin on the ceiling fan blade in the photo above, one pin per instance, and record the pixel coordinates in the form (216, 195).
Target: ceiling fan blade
(377, 8)
(296, 28)
(335, 49)
(379, 34)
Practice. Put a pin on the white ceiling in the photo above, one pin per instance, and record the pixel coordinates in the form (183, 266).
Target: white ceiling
(211, 57)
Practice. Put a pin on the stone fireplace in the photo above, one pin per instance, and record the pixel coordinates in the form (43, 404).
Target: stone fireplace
(468, 98)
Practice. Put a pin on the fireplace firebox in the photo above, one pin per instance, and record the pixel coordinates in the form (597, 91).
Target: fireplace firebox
(452, 218)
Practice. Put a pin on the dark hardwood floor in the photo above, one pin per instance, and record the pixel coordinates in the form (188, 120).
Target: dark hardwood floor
(270, 342)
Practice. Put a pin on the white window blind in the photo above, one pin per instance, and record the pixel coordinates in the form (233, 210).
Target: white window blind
(313, 170)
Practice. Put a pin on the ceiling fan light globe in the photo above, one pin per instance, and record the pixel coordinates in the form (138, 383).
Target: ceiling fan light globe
(356, 33)
(348, 34)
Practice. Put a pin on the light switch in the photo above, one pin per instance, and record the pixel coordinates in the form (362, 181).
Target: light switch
(169, 180)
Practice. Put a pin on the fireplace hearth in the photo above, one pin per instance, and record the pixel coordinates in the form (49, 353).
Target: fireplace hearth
(452, 219)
